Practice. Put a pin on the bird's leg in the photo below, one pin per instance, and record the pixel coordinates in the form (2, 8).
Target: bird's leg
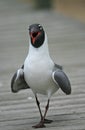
(43, 120)
(46, 109)
(38, 104)
(41, 123)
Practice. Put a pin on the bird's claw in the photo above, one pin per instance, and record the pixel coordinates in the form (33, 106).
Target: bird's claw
(46, 121)
(40, 125)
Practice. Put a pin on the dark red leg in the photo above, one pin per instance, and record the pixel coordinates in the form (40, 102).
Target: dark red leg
(43, 120)
(46, 109)
(41, 123)
(38, 104)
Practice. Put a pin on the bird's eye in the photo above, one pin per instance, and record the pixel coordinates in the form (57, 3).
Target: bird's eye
(40, 27)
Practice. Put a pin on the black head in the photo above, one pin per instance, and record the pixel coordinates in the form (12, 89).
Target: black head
(37, 35)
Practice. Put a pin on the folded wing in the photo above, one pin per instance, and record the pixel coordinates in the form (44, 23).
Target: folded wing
(62, 80)
(18, 82)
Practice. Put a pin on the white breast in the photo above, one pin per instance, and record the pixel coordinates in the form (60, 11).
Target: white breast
(38, 75)
(38, 68)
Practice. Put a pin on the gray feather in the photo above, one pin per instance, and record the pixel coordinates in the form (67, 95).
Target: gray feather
(58, 67)
(62, 80)
(18, 82)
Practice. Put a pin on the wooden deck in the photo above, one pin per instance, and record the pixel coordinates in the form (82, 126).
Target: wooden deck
(67, 47)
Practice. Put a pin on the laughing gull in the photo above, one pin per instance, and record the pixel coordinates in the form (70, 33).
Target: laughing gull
(39, 72)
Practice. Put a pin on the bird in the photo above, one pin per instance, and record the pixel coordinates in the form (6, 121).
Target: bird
(39, 72)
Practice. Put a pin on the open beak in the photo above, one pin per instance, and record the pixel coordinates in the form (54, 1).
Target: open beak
(34, 35)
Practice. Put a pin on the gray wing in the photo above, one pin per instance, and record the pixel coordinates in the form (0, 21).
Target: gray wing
(62, 80)
(18, 82)
(56, 66)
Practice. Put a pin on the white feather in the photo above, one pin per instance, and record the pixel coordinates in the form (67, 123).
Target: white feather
(38, 69)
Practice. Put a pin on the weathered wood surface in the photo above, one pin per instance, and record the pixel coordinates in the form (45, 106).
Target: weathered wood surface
(67, 47)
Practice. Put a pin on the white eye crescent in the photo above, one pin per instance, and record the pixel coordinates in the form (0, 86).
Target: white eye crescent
(40, 27)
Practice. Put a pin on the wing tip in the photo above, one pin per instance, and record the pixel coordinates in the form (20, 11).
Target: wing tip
(69, 91)
(12, 83)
